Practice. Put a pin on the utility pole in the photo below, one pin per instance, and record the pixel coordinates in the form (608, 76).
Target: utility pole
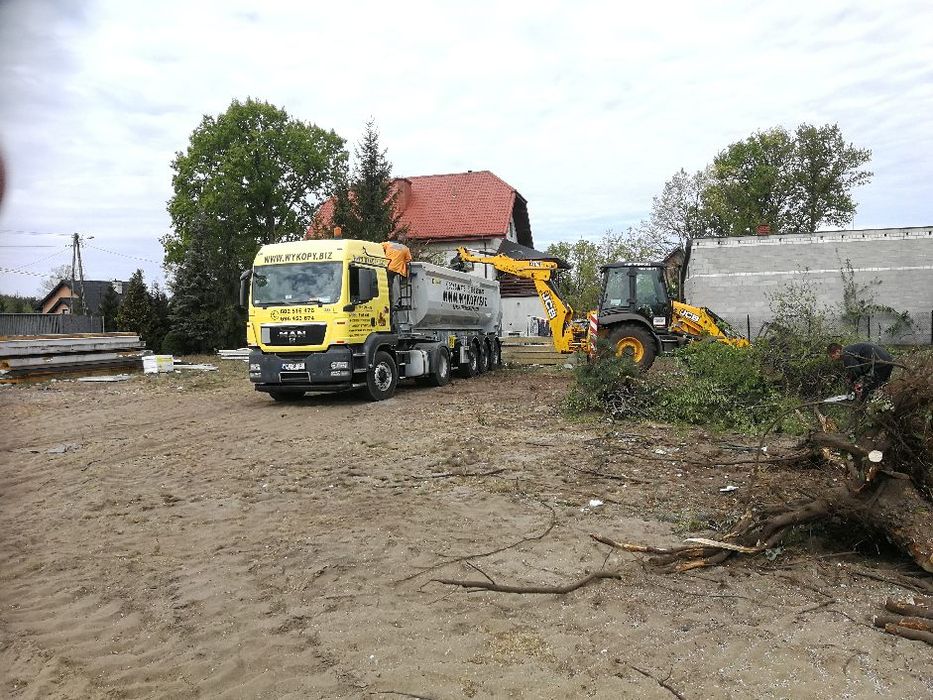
(77, 265)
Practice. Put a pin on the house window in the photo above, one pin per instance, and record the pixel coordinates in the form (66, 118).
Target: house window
(511, 234)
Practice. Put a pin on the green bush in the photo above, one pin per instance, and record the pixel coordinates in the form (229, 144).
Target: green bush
(598, 380)
(714, 384)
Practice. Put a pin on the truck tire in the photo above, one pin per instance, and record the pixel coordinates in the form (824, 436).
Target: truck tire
(635, 341)
(495, 353)
(470, 368)
(382, 377)
(440, 372)
(483, 356)
(287, 396)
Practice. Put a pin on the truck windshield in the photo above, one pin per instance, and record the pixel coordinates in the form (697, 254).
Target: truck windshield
(297, 283)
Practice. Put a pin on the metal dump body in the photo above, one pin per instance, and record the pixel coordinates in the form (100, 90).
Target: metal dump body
(445, 299)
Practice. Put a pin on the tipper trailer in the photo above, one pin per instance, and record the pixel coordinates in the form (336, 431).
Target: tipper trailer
(327, 315)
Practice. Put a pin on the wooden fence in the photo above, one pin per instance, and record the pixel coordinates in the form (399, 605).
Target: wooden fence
(49, 324)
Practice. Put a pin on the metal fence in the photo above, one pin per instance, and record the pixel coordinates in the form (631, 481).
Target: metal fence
(878, 328)
(49, 324)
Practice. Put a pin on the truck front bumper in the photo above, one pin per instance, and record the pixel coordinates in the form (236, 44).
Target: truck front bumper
(330, 370)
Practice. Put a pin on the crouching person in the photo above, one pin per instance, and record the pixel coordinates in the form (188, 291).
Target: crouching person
(867, 366)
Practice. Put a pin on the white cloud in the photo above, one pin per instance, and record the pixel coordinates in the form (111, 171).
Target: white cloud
(586, 108)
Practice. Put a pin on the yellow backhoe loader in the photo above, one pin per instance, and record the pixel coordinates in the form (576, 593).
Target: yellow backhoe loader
(636, 313)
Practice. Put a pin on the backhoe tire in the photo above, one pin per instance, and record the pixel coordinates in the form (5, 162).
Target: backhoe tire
(470, 368)
(636, 342)
(440, 372)
(287, 396)
(382, 377)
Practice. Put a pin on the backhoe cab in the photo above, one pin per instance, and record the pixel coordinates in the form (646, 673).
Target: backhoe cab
(638, 317)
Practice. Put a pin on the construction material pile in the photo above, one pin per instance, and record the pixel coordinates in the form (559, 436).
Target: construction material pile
(30, 358)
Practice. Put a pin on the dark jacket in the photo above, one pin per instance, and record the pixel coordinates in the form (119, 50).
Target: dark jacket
(867, 361)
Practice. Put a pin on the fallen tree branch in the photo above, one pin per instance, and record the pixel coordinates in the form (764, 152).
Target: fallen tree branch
(902, 608)
(915, 623)
(908, 633)
(507, 588)
(664, 684)
(480, 555)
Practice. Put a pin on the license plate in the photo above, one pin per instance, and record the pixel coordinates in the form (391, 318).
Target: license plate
(293, 366)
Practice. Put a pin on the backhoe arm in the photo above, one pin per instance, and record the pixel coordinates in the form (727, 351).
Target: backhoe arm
(568, 337)
(699, 321)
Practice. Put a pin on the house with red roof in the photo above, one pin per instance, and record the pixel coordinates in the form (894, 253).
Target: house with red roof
(475, 209)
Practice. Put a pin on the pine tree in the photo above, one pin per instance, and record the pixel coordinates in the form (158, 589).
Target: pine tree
(158, 318)
(195, 308)
(109, 307)
(135, 308)
(366, 207)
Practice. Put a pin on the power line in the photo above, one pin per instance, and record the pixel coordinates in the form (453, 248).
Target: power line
(47, 257)
(122, 255)
(29, 246)
(33, 233)
(20, 272)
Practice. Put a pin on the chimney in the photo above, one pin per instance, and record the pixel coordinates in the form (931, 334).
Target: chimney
(403, 191)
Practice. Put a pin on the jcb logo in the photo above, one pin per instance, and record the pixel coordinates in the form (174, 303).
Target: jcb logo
(688, 314)
(549, 305)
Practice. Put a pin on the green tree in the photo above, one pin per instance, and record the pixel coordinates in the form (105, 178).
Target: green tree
(365, 208)
(824, 170)
(135, 308)
(250, 176)
(158, 318)
(793, 183)
(108, 309)
(580, 286)
(752, 183)
(195, 309)
(16, 304)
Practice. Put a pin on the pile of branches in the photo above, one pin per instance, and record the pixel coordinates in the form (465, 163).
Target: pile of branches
(885, 462)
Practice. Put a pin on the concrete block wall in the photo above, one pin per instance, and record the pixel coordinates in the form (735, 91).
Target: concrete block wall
(736, 277)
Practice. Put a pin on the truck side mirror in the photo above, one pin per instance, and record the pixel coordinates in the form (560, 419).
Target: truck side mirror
(245, 278)
(364, 285)
(373, 281)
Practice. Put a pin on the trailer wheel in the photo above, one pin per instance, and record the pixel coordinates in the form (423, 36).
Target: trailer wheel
(495, 353)
(287, 395)
(636, 342)
(382, 377)
(484, 359)
(440, 375)
(470, 368)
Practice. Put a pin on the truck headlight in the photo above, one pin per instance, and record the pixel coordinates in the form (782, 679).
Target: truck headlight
(254, 367)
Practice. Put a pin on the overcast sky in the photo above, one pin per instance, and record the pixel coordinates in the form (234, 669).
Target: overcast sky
(586, 108)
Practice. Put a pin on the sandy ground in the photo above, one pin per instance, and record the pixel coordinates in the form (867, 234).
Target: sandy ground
(185, 536)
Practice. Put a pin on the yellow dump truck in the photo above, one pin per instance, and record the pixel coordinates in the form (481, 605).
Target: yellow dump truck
(328, 315)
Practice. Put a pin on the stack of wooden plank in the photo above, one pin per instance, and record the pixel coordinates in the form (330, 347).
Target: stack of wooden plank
(533, 351)
(25, 358)
(239, 354)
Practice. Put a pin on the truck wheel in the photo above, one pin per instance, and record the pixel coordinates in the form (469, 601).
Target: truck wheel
(636, 342)
(382, 377)
(287, 395)
(495, 353)
(483, 356)
(470, 368)
(440, 374)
